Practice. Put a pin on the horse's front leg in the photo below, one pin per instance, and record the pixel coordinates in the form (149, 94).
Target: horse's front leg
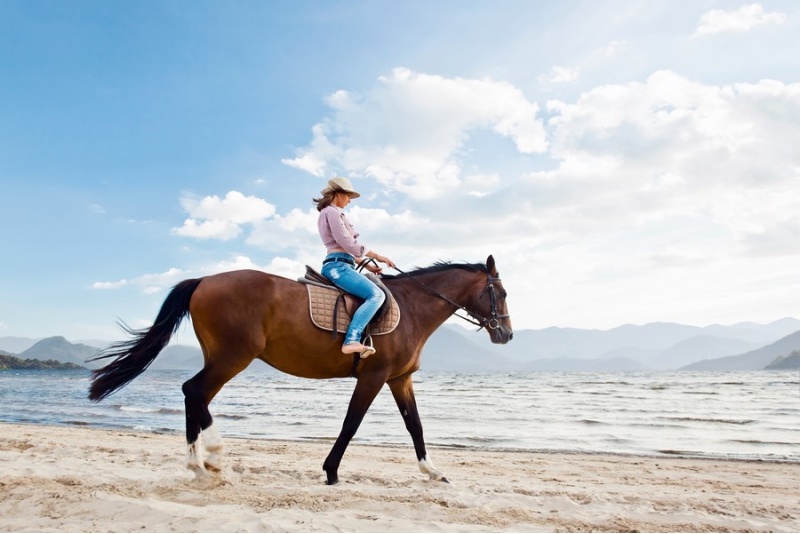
(403, 391)
(367, 388)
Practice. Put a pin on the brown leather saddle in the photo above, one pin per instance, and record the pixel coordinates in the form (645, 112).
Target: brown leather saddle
(331, 309)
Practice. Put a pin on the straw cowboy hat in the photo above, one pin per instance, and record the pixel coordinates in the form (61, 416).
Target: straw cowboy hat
(340, 183)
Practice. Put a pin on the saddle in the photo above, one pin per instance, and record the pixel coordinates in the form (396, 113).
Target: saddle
(331, 309)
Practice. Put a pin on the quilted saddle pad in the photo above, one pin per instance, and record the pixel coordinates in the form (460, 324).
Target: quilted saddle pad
(322, 299)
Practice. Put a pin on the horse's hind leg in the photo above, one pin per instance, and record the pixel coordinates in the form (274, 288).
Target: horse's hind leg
(199, 391)
(197, 418)
(194, 459)
(403, 392)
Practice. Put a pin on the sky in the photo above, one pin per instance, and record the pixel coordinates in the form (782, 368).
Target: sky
(625, 162)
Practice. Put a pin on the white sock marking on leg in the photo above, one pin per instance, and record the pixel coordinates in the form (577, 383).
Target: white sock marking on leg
(426, 467)
(193, 458)
(212, 440)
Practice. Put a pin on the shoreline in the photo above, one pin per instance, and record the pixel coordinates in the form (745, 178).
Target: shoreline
(83, 479)
(435, 446)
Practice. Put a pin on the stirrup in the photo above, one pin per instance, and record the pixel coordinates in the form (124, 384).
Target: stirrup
(370, 350)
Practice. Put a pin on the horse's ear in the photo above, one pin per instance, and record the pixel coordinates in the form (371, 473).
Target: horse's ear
(490, 266)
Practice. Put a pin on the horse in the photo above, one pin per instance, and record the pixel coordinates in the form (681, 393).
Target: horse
(242, 315)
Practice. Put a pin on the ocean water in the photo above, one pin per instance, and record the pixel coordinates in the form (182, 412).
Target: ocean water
(743, 415)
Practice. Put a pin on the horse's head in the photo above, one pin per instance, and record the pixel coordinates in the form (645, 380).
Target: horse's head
(471, 288)
(490, 308)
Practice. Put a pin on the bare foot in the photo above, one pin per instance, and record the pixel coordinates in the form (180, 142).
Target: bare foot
(350, 348)
(364, 350)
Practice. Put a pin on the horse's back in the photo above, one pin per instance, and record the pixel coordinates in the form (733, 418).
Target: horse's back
(235, 306)
(242, 286)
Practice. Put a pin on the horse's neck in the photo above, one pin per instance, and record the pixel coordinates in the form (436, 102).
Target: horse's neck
(421, 294)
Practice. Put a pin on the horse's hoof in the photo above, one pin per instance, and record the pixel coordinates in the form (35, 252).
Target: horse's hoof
(197, 470)
(213, 469)
(332, 481)
(208, 481)
(444, 479)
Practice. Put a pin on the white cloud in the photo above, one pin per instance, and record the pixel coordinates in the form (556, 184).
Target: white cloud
(148, 283)
(110, 285)
(594, 60)
(561, 75)
(314, 159)
(663, 157)
(156, 282)
(216, 229)
(215, 218)
(741, 20)
(652, 192)
(408, 131)
(611, 49)
(294, 232)
(670, 147)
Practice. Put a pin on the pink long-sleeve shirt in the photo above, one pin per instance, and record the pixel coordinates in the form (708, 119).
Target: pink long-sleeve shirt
(337, 232)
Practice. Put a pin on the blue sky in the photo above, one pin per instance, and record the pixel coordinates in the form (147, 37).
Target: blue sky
(625, 162)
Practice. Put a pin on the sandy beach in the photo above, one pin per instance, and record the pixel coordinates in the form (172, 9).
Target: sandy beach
(63, 479)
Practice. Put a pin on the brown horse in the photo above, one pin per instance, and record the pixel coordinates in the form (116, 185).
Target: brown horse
(239, 316)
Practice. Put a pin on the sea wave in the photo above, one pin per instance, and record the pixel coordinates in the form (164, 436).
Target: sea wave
(750, 415)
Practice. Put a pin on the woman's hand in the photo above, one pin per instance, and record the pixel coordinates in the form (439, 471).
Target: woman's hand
(374, 268)
(384, 259)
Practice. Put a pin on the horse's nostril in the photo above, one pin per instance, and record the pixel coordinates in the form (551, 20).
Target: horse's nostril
(510, 336)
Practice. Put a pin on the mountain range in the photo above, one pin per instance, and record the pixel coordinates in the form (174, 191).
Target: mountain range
(653, 346)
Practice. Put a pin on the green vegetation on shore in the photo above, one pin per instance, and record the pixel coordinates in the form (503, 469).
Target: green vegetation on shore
(8, 362)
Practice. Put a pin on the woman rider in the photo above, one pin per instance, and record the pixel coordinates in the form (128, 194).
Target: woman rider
(344, 252)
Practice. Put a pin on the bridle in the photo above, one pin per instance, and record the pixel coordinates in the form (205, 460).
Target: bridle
(491, 323)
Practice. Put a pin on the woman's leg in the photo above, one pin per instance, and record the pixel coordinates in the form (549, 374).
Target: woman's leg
(348, 279)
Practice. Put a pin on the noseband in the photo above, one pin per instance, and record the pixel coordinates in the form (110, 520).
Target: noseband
(480, 321)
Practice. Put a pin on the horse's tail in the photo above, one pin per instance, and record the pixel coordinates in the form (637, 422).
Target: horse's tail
(132, 357)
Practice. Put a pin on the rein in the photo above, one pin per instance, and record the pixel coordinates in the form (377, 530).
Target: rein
(474, 318)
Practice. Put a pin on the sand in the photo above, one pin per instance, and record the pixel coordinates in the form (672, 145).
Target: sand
(72, 479)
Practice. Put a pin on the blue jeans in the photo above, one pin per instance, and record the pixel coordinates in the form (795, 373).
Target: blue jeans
(345, 277)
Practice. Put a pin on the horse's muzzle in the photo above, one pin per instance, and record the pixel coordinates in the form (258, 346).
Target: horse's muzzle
(501, 335)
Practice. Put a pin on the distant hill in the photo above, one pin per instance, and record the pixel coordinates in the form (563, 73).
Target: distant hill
(449, 350)
(654, 346)
(749, 361)
(179, 357)
(698, 348)
(15, 345)
(760, 334)
(790, 361)
(58, 348)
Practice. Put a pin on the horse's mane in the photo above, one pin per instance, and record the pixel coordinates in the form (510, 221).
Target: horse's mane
(438, 267)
